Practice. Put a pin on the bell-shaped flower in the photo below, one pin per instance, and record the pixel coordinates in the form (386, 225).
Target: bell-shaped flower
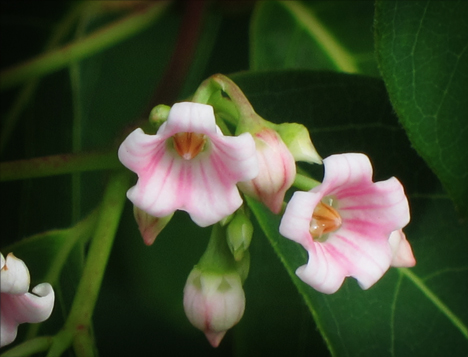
(345, 224)
(214, 302)
(189, 165)
(277, 170)
(17, 305)
(402, 254)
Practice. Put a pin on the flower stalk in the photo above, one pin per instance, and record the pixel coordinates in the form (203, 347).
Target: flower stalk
(79, 319)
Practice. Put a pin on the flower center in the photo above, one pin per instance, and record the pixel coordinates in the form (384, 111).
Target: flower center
(189, 145)
(325, 219)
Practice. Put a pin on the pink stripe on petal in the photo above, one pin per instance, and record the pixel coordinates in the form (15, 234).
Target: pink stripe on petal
(322, 271)
(367, 262)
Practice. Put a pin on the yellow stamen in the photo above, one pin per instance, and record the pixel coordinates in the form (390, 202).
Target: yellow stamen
(325, 219)
(189, 145)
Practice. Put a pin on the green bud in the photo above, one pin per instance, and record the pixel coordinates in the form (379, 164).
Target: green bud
(239, 234)
(159, 115)
(297, 139)
(243, 266)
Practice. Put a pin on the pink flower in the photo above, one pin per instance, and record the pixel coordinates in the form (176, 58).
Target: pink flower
(345, 224)
(189, 165)
(17, 305)
(277, 170)
(213, 302)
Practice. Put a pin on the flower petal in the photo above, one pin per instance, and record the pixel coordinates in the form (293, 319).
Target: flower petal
(362, 257)
(14, 277)
(17, 309)
(191, 118)
(295, 223)
(322, 271)
(345, 172)
(402, 254)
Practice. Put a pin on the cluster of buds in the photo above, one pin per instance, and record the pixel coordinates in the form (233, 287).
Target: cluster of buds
(349, 225)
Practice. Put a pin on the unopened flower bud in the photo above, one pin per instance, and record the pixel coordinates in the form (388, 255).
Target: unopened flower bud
(150, 226)
(159, 115)
(277, 170)
(213, 302)
(297, 139)
(239, 234)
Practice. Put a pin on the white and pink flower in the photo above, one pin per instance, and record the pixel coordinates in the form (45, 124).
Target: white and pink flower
(345, 225)
(189, 165)
(17, 304)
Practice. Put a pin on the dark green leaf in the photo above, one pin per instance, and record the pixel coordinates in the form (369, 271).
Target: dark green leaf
(334, 35)
(422, 51)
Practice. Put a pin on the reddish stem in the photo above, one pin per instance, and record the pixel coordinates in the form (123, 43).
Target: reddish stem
(182, 57)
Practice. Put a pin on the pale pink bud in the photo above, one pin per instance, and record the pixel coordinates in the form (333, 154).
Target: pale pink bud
(150, 226)
(213, 302)
(277, 170)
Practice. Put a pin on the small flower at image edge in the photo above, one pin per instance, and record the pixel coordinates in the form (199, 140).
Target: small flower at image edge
(345, 224)
(17, 304)
(189, 165)
(213, 302)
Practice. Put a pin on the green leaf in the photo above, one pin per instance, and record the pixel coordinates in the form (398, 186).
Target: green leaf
(422, 52)
(417, 311)
(313, 35)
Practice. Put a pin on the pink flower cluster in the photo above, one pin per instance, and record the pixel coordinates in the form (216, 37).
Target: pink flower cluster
(349, 225)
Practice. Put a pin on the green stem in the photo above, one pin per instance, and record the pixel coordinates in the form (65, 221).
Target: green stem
(75, 83)
(96, 42)
(217, 256)
(77, 326)
(29, 347)
(305, 183)
(79, 319)
(81, 232)
(83, 344)
(236, 108)
(58, 165)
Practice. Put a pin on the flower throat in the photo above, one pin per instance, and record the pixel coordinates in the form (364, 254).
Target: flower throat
(325, 219)
(189, 145)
